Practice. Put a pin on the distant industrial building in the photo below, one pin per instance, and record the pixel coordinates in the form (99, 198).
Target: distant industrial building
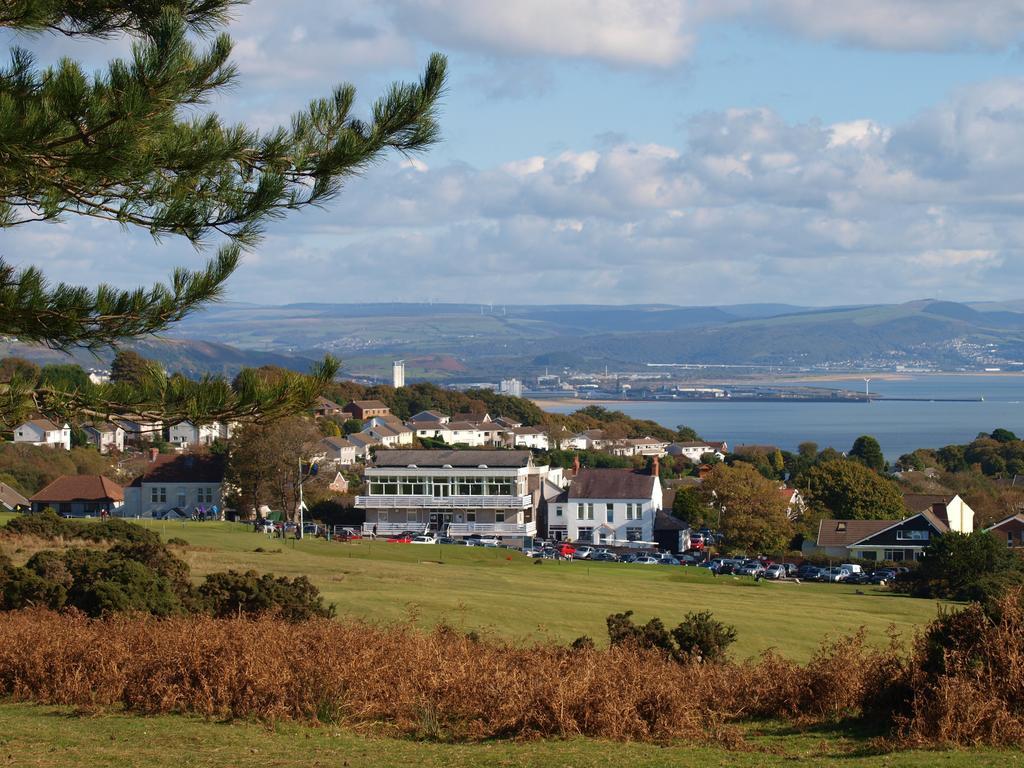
(398, 373)
(513, 387)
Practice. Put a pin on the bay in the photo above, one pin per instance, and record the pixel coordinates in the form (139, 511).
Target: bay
(899, 426)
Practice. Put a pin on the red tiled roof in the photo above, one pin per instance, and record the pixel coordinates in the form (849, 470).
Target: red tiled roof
(80, 488)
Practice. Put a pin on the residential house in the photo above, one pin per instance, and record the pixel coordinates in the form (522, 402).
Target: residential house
(140, 429)
(1009, 530)
(324, 407)
(80, 496)
(607, 506)
(695, 449)
(105, 436)
(893, 540)
(11, 500)
(471, 434)
(45, 433)
(529, 437)
(670, 533)
(589, 440)
(186, 433)
(338, 450)
(458, 492)
(182, 482)
(507, 422)
(363, 443)
(429, 417)
(365, 409)
(339, 484)
(392, 431)
(637, 446)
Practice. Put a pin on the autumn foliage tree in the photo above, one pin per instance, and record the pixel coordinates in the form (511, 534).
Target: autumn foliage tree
(849, 489)
(753, 512)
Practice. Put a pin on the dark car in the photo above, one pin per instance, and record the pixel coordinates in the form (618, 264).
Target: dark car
(808, 573)
(882, 576)
(604, 557)
(858, 578)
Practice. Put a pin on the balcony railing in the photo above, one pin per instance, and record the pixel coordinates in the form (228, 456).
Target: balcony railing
(389, 528)
(492, 529)
(443, 502)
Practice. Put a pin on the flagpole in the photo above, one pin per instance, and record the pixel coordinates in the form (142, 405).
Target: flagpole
(301, 503)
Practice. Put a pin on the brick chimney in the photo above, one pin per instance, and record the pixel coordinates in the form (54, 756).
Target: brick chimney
(656, 467)
(576, 464)
(153, 453)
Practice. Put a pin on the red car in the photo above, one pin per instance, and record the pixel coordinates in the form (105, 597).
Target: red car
(566, 550)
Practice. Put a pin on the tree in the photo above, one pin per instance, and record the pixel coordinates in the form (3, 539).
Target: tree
(132, 368)
(18, 367)
(849, 490)
(753, 511)
(263, 462)
(130, 145)
(689, 506)
(1003, 435)
(958, 566)
(867, 451)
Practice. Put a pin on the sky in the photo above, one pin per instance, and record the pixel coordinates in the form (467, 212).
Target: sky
(690, 152)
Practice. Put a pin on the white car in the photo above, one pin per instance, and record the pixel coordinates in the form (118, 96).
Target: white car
(423, 540)
(488, 541)
(775, 572)
(583, 553)
(647, 560)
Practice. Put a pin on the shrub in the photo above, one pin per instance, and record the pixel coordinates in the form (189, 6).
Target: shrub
(177, 541)
(237, 594)
(700, 635)
(44, 525)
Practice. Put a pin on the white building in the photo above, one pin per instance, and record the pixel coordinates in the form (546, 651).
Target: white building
(606, 506)
(177, 482)
(530, 437)
(338, 450)
(105, 436)
(511, 387)
(693, 450)
(45, 433)
(139, 429)
(454, 492)
(398, 374)
(186, 433)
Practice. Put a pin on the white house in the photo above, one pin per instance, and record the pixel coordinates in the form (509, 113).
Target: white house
(186, 433)
(693, 450)
(529, 437)
(389, 430)
(429, 417)
(185, 482)
(472, 434)
(638, 446)
(590, 440)
(455, 492)
(105, 436)
(606, 506)
(338, 450)
(139, 429)
(45, 433)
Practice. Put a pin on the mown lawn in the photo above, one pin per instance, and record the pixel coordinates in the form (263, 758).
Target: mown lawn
(51, 737)
(501, 592)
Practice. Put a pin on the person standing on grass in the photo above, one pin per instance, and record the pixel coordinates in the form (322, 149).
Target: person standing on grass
(373, 534)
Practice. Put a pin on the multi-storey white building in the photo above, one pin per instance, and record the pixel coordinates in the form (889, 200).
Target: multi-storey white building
(455, 492)
(606, 506)
(105, 436)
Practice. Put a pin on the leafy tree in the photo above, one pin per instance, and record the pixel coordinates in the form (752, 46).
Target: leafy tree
(910, 462)
(130, 144)
(263, 462)
(958, 566)
(132, 368)
(18, 367)
(698, 637)
(867, 451)
(689, 505)
(65, 376)
(753, 511)
(351, 426)
(951, 457)
(1003, 435)
(848, 489)
(685, 434)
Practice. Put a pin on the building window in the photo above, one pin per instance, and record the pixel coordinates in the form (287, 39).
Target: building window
(158, 494)
(590, 511)
(585, 534)
(609, 513)
(499, 517)
(912, 535)
(471, 517)
(868, 554)
(558, 511)
(579, 511)
(634, 534)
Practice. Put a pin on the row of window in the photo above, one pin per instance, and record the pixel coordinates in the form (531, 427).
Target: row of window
(158, 495)
(412, 516)
(585, 511)
(442, 486)
(903, 535)
(588, 534)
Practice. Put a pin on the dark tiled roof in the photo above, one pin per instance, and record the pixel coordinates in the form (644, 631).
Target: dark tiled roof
(918, 502)
(663, 521)
(186, 468)
(611, 484)
(44, 424)
(337, 443)
(368, 405)
(80, 488)
(453, 458)
(840, 533)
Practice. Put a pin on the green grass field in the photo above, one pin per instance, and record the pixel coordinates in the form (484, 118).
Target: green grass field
(504, 593)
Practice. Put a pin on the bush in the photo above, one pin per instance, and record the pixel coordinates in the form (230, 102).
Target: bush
(700, 635)
(697, 638)
(236, 594)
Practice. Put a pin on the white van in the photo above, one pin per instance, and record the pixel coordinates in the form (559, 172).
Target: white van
(850, 567)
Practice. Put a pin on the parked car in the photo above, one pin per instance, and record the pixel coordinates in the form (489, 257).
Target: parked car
(791, 568)
(807, 572)
(424, 539)
(835, 574)
(604, 557)
(697, 541)
(667, 560)
(775, 572)
(629, 557)
(400, 538)
(882, 576)
(646, 560)
(749, 569)
(858, 577)
(583, 553)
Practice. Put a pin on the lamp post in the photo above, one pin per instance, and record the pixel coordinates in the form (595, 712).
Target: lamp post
(303, 477)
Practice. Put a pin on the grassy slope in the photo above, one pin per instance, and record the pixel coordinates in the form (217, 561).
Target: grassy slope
(47, 737)
(505, 593)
